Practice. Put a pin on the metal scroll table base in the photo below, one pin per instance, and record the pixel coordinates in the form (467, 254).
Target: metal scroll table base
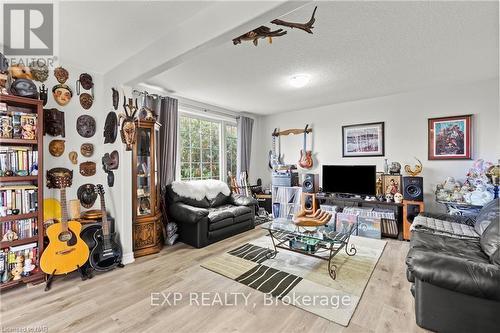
(327, 250)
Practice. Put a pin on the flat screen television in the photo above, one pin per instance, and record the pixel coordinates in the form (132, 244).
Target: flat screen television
(350, 179)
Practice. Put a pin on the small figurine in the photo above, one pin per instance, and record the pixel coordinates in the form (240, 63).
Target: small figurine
(395, 168)
(28, 267)
(9, 236)
(18, 269)
(379, 186)
(398, 198)
(389, 197)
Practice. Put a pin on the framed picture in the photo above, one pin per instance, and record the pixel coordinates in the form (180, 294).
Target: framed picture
(450, 138)
(391, 184)
(363, 140)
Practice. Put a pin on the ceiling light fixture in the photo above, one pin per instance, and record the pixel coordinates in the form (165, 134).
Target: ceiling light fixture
(300, 80)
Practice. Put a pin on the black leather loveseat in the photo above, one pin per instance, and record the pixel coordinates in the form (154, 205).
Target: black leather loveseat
(456, 277)
(203, 222)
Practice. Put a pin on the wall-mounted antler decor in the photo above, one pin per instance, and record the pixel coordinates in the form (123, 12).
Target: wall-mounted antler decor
(266, 32)
(302, 26)
(260, 32)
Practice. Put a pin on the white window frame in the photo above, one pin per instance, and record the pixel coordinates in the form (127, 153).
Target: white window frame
(222, 120)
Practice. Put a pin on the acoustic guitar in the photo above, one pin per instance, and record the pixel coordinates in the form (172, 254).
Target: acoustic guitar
(107, 252)
(66, 251)
(305, 161)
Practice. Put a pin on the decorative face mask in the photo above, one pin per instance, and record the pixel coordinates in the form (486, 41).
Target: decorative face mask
(87, 195)
(73, 157)
(127, 118)
(56, 148)
(86, 101)
(87, 169)
(20, 72)
(62, 94)
(42, 92)
(116, 98)
(85, 126)
(61, 74)
(87, 149)
(39, 70)
(24, 88)
(86, 81)
(110, 128)
(53, 122)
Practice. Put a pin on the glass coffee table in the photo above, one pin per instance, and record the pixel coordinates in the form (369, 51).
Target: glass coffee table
(321, 242)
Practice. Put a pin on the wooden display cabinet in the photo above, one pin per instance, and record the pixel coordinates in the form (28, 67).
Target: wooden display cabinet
(27, 106)
(146, 223)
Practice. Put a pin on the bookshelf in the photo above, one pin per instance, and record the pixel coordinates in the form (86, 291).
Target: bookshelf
(25, 106)
(286, 201)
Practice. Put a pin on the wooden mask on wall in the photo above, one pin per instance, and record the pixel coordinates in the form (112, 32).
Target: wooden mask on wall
(127, 119)
(53, 122)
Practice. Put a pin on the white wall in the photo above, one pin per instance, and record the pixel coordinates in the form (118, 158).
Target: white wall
(405, 116)
(116, 196)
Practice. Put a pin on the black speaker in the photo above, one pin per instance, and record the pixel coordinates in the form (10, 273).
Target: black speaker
(308, 202)
(413, 188)
(310, 183)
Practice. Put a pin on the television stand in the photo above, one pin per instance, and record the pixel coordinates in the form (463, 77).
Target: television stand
(335, 199)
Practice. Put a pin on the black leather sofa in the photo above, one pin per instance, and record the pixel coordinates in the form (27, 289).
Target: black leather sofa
(203, 222)
(456, 281)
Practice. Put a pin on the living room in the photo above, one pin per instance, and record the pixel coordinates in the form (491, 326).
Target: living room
(209, 166)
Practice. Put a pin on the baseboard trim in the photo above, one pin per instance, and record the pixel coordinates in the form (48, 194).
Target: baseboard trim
(128, 258)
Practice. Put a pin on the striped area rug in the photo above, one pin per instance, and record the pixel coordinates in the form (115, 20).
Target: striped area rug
(292, 277)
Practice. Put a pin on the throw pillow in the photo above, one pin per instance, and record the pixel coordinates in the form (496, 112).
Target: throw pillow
(490, 240)
(487, 214)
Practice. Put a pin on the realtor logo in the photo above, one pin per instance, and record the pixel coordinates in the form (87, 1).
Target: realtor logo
(28, 29)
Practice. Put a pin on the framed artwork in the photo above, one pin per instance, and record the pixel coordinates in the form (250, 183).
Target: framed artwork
(391, 184)
(450, 138)
(363, 140)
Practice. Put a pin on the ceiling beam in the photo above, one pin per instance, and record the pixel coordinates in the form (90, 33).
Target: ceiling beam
(217, 24)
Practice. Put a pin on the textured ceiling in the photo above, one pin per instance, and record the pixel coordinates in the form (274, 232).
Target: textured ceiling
(101, 34)
(358, 50)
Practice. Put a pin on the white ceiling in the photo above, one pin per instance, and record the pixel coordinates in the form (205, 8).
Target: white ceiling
(358, 50)
(99, 35)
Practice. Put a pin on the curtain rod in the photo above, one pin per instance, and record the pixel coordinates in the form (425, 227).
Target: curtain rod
(206, 110)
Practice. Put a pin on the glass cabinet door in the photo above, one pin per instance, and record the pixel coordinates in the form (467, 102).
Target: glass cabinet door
(145, 172)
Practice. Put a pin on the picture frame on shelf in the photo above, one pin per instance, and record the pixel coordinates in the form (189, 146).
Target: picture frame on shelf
(363, 140)
(450, 138)
(391, 184)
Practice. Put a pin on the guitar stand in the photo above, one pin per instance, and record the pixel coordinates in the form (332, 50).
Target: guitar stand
(48, 284)
(84, 274)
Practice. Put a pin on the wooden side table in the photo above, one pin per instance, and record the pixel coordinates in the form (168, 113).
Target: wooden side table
(410, 210)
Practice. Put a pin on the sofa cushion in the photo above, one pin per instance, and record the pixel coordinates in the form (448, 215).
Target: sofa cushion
(219, 213)
(490, 241)
(219, 224)
(453, 264)
(243, 218)
(219, 200)
(488, 214)
(467, 249)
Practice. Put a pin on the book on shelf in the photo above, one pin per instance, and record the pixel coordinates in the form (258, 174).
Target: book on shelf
(8, 259)
(18, 125)
(22, 161)
(21, 197)
(24, 228)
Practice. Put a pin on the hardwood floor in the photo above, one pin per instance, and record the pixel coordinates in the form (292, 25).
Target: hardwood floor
(120, 301)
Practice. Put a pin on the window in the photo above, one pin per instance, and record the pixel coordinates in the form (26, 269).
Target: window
(207, 151)
(230, 136)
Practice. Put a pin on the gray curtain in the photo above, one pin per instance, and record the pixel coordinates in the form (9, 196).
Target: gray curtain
(166, 109)
(244, 149)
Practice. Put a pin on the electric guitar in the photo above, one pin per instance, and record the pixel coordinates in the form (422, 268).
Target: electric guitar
(305, 160)
(274, 159)
(66, 251)
(107, 252)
